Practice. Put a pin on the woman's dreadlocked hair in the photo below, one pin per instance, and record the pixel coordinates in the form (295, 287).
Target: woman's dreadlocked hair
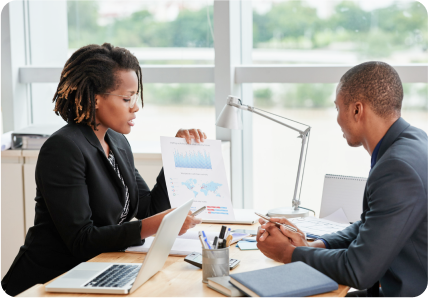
(91, 70)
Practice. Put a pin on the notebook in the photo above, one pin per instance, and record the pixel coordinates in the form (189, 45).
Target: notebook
(222, 285)
(344, 192)
(291, 280)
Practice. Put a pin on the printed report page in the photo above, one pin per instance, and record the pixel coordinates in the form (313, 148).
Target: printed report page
(197, 171)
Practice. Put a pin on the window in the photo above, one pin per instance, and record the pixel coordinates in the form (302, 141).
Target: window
(169, 107)
(165, 32)
(276, 148)
(339, 32)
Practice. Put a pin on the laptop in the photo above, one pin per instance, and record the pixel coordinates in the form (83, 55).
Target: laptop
(124, 278)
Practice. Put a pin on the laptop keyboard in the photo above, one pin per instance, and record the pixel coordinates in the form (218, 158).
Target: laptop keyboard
(115, 277)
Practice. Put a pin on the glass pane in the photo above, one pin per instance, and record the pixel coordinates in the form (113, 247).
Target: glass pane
(157, 32)
(339, 32)
(328, 152)
(169, 107)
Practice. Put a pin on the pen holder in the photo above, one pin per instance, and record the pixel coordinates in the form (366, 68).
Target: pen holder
(215, 263)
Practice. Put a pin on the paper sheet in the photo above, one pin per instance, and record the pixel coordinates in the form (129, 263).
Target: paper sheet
(317, 226)
(338, 216)
(5, 141)
(193, 234)
(197, 171)
(237, 237)
(181, 247)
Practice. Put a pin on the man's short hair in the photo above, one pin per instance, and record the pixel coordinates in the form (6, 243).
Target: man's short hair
(376, 83)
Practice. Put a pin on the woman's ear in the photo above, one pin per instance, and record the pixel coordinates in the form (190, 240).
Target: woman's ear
(97, 97)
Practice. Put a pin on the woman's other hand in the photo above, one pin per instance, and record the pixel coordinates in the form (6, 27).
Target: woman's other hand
(189, 223)
(192, 133)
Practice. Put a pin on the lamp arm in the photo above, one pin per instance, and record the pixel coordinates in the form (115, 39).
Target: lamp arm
(252, 109)
(296, 200)
(303, 134)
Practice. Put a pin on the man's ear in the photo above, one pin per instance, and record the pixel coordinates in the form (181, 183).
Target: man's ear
(358, 110)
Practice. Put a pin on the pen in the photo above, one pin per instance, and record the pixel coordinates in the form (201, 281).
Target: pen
(215, 242)
(202, 241)
(227, 233)
(197, 212)
(206, 240)
(222, 232)
(290, 228)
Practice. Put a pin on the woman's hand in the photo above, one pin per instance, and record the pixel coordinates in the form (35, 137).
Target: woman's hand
(188, 134)
(150, 225)
(189, 223)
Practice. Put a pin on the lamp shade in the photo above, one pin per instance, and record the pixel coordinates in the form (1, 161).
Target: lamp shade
(230, 117)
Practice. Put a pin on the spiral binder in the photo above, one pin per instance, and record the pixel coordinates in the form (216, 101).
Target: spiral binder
(331, 176)
(344, 192)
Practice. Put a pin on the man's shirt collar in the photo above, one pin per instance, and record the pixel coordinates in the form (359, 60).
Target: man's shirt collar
(374, 154)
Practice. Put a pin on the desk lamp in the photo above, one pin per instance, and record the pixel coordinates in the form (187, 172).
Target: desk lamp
(230, 117)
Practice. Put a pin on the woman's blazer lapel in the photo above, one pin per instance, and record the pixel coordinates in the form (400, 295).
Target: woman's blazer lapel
(127, 172)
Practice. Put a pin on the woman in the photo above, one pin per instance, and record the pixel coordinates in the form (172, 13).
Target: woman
(88, 188)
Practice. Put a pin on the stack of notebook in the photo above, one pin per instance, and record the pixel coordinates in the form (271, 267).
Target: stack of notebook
(223, 286)
(291, 280)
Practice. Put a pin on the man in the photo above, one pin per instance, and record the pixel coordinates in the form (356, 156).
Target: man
(389, 243)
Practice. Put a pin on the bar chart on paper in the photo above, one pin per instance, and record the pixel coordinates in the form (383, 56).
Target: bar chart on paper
(192, 160)
(197, 171)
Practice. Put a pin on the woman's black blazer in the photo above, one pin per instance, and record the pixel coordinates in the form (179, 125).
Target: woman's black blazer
(78, 205)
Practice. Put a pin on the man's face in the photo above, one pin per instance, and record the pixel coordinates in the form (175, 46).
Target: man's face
(346, 120)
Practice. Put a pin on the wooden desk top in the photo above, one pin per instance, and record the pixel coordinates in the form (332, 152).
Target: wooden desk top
(178, 278)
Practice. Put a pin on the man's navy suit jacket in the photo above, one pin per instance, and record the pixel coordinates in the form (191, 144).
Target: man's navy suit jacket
(389, 243)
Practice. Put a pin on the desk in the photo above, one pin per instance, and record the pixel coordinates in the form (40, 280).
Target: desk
(178, 278)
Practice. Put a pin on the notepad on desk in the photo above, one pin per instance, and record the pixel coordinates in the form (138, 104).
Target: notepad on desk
(184, 244)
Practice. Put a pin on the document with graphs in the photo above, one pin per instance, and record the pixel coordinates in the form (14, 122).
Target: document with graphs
(197, 171)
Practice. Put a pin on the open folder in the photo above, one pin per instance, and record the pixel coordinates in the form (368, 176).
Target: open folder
(184, 244)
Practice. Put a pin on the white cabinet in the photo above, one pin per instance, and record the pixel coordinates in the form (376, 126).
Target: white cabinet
(12, 207)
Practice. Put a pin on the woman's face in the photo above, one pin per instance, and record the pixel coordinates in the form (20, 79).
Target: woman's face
(113, 111)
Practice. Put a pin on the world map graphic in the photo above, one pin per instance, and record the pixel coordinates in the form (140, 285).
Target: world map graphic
(205, 188)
